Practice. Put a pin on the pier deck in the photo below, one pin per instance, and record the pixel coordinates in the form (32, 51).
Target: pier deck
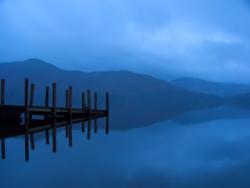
(28, 119)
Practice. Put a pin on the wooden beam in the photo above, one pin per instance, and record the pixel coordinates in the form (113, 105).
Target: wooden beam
(41, 125)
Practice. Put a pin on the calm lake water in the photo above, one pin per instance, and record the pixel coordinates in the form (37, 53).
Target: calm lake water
(209, 148)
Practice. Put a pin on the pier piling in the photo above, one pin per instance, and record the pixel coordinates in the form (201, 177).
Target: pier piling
(70, 118)
(95, 108)
(107, 111)
(3, 150)
(89, 115)
(45, 117)
(54, 147)
(29, 119)
(67, 107)
(83, 109)
(32, 91)
(26, 119)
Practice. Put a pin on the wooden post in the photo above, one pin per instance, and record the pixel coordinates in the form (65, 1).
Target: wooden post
(47, 97)
(89, 115)
(32, 139)
(70, 117)
(47, 136)
(3, 150)
(45, 117)
(107, 112)
(54, 147)
(95, 122)
(26, 119)
(67, 107)
(2, 92)
(32, 91)
(83, 109)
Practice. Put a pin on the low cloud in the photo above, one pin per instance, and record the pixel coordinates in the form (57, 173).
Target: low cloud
(183, 37)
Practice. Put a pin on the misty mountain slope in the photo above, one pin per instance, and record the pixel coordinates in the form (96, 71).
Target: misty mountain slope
(242, 101)
(136, 100)
(208, 87)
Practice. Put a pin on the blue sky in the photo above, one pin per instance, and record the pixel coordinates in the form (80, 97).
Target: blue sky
(166, 38)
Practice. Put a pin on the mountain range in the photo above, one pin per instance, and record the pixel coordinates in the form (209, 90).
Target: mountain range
(210, 87)
(137, 100)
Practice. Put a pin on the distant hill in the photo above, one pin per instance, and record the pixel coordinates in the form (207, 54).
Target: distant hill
(136, 100)
(242, 100)
(208, 87)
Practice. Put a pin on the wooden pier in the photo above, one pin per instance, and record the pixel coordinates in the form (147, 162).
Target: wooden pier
(28, 119)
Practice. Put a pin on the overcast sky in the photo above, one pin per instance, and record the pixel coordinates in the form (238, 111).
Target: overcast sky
(166, 38)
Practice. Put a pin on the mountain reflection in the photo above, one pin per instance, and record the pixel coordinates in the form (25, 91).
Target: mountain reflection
(212, 152)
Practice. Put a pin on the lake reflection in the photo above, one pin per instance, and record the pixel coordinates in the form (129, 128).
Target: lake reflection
(209, 148)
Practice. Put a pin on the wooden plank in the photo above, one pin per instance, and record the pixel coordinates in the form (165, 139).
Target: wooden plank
(40, 110)
(48, 125)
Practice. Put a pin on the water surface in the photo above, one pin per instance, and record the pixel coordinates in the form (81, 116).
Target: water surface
(209, 148)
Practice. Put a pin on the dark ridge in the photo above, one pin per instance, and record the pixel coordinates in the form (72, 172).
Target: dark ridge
(136, 100)
(209, 87)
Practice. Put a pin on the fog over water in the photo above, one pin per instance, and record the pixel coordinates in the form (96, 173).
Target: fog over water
(209, 153)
